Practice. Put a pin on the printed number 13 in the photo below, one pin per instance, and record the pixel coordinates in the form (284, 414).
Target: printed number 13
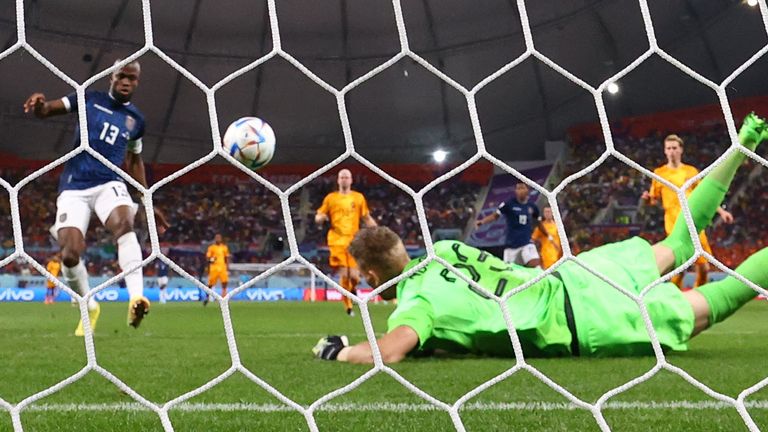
(120, 191)
(109, 133)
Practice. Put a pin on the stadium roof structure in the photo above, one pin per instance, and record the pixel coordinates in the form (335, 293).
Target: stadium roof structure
(401, 114)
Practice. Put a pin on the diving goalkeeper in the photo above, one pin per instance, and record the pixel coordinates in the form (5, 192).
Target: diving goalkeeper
(568, 313)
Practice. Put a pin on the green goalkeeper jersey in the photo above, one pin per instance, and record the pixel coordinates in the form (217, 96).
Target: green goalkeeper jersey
(449, 314)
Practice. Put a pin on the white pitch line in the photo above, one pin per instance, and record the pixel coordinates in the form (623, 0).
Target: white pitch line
(398, 407)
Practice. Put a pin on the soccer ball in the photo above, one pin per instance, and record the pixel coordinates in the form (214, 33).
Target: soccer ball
(251, 141)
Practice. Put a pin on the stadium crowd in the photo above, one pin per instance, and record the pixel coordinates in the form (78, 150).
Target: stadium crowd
(614, 181)
(249, 217)
(251, 220)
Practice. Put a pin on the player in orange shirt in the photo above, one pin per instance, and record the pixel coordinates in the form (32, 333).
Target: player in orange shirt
(218, 258)
(549, 239)
(677, 173)
(344, 209)
(54, 267)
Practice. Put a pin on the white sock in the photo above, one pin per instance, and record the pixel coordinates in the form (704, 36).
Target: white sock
(77, 279)
(129, 255)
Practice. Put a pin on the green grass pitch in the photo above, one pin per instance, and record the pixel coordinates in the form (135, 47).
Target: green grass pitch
(182, 346)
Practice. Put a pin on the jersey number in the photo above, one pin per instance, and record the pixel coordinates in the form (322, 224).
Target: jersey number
(109, 133)
(120, 192)
(522, 219)
(474, 274)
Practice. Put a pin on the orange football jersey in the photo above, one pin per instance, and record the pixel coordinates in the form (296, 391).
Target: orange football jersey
(550, 250)
(677, 176)
(219, 253)
(344, 212)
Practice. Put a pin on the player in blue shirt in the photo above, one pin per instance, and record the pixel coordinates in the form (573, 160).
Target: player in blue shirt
(522, 217)
(162, 279)
(115, 130)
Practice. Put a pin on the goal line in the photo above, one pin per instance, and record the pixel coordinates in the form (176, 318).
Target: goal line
(398, 407)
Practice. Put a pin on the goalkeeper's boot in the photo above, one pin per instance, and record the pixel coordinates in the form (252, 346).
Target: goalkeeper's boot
(138, 307)
(753, 131)
(93, 317)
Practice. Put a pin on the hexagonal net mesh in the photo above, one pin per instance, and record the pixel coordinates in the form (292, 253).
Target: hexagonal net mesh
(469, 93)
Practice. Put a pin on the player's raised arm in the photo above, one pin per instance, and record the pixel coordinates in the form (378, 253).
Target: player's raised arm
(490, 218)
(41, 108)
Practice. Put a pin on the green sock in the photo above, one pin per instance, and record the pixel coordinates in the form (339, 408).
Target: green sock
(704, 201)
(727, 295)
(708, 196)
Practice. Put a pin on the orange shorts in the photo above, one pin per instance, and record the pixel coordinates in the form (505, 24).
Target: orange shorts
(217, 274)
(340, 257)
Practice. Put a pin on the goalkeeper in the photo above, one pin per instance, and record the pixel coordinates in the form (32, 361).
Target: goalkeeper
(570, 312)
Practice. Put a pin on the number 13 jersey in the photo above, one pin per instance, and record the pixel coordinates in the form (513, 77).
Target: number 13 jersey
(113, 129)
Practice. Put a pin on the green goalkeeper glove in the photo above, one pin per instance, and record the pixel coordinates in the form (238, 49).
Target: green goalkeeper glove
(329, 347)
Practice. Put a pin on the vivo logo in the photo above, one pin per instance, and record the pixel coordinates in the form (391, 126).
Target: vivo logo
(264, 295)
(107, 295)
(180, 295)
(11, 294)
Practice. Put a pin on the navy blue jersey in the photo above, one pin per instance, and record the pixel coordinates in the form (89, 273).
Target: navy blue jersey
(162, 269)
(521, 219)
(113, 129)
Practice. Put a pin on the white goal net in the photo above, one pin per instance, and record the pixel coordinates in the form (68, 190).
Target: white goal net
(451, 407)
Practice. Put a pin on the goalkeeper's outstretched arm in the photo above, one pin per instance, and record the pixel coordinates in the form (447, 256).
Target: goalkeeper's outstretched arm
(393, 346)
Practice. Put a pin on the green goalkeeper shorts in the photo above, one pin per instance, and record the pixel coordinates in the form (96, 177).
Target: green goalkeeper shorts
(608, 323)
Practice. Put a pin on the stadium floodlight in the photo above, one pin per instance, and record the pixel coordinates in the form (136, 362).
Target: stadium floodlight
(613, 88)
(439, 155)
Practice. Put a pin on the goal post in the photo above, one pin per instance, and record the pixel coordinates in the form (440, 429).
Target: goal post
(291, 276)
